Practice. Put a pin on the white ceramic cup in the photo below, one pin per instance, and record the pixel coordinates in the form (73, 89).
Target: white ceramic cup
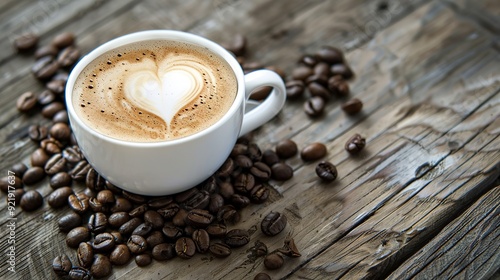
(167, 167)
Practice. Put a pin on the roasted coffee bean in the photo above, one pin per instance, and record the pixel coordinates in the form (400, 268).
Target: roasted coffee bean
(59, 180)
(101, 267)
(143, 229)
(259, 249)
(79, 273)
(120, 255)
(259, 194)
(201, 240)
(342, 69)
(318, 90)
(313, 151)
(26, 101)
(254, 152)
(128, 227)
(7, 183)
(118, 219)
(106, 197)
(159, 202)
(61, 117)
(200, 200)
(209, 185)
(135, 198)
(237, 238)
(219, 250)
(216, 230)
(286, 148)
(118, 237)
(49, 110)
(138, 211)
(301, 73)
(352, 106)
(137, 244)
(199, 218)
(355, 144)
(163, 252)
(55, 164)
(169, 211)
(73, 155)
(239, 149)
(97, 223)
(46, 97)
(154, 238)
(48, 50)
(180, 218)
(44, 68)
(330, 55)
(69, 222)
(238, 45)
(185, 247)
(79, 203)
(261, 171)
(269, 157)
(103, 242)
(63, 40)
(68, 57)
(261, 93)
(281, 171)
(314, 106)
(26, 42)
(294, 89)
(93, 180)
(85, 254)
(33, 175)
(337, 85)
(243, 183)
(51, 146)
(154, 219)
(76, 236)
(228, 214)
(19, 169)
(61, 76)
(79, 172)
(97, 206)
(216, 202)
(121, 205)
(38, 132)
(39, 157)
(239, 201)
(185, 195)
(308, 60)
(262, 276)
(273, 261)
(62, 265)
(31, 200)
(320, 81)
(226, 189)
(273, 223)
(56, 86)
(243, 161)
(59, 197)
(289, 248)
(171, 231)
(322, 69)
(60, 131)
(326, 171)
(18, 194)
(143, 260)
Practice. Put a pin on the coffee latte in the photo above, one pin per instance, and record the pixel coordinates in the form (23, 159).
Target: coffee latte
(154, 91)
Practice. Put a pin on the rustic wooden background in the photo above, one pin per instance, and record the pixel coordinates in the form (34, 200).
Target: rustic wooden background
(421, 201)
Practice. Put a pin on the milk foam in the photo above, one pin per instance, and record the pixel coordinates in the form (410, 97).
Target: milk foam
(154, 91)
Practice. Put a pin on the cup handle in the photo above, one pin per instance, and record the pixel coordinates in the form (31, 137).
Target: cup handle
(271, 106)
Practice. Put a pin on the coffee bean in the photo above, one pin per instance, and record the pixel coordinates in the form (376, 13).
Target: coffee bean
(254, 152)
(69, 222)
(355, 144)
(49, 110)
(103, 242)
(308, 60)
(7, 183)
(93, 180)
(48, 50)
(321, 81)
(97, 223)
(56, 86)
(101, 266)
(243, 183)
(216, 230)
(273, 223)
(55, 164)
(61, 76)
(319, 90)
(239, 149)
(128, 227)
(342, 69)
(185, 195)
(273, 261)
(180, 218)
(185, 247)
(313, 151)
(294, 89)
(219, 250)
(60, 131)
(171, 231)
(289, 248)
(39, 157)
(37, 132)
(326, 171)
(143, 229)
(59, 197)
(322, 69)
(199, 218)
(159, 202)
(330, 55)
(63, 40)
(33, 175)
(85, 254)
(68, 57)
(228, 214)
(352, 106)
(19, 169)
(259, 249)
(216, 202)
(138, 211)
(118, 237)
(164, 251)
(301, 73)
(61, 117)
(46, 97)
(137, 244)
(73, 155)
(79, 172)
(337, 85)
(261, 171)
(121, 205)
(210, 185)
(18, 194)
(79, 203)
(286, 149)
(262, 276)
(76, 236)
(154, 219)
(243, 161)
(200, 200)
(59, 180)
(26, 101)
(117, 219)
(51, 146)
(120, 255)
(106, 197)
(31, 200)
(314, 106)
(95, 205)
(259, 194)
(154, 238)
(226, 189)
(62, 265)
(239, 201)
(201, 240)
(44, 68)
(79, 273)
(281, 171)
(237, 238)
(143, 260)
(135, 198)
(26, 42)
(169, 211)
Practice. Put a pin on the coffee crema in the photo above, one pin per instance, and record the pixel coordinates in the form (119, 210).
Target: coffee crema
(153, 91)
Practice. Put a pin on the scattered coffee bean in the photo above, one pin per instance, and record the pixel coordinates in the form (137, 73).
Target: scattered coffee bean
(352, 106)
(228, 215)
(85, 254)
(33, 175)
(201, 239)
(76, 236)
(237, 238)
(31, 200)
(37, 132)
(19, 169)
(60, 131)
(48, 50)
(313, 151)
(63, 40)
(137, 244)
(143, 260)
(49, 110)
(79, 203)
(69, 222)
(316, 89)
(314, 106)
(322, 69)
(62, 265)
(330, 55)
(39, 157)
(56, 86)
(216, 202)
(26, 42)
(121, 205)
(104, 242)
(308, 60)
(143, 229)
(101, 267)
(355, 144)
(97, 223)
(51, 146)
(73, 155)
(79, 172)
(79, 273)
(261, 171)
(281, 171)
(164, 251)
(217, 230)
(18, 194)
(118, 219)
(55, 164)
(199, 218)
(273, 261)
(301, 73)
(326, 171)
(169, 211)
(259, 194)
(138, 211)
(120, 255)
(154, 219)
(68, 57)
(273, 223)
(59, 197)
(185, 247)
(243, 161)
(59, 180)
(6, 183)
(286, 149)
(244, 183)
(61, 117)
(106, 197)
(239, 201)
(269, 157)
(46, 97)
(219, 250)
(44, 68)
(26, 102)
(128, 227)
(94, 204)
(342, 69)
(337, 85)
(262, 276)
(289, 248)
(154, 238)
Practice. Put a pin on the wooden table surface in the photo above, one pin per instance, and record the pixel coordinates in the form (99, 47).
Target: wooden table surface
(422, 201)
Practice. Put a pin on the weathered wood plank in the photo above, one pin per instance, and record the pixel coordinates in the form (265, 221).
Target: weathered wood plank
(466, 248)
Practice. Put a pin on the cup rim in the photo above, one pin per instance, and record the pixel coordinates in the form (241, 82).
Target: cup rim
(156, 35)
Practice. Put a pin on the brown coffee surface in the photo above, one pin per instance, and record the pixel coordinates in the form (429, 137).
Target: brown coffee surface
(154, 91)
